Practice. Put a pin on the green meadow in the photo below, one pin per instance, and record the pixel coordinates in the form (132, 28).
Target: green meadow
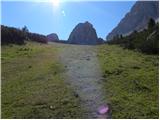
(131, 82)
(33, 84)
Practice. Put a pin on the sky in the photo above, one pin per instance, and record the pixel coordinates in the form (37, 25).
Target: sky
(61, 17)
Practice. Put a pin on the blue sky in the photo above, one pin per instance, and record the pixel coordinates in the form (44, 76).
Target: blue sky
(46, 18)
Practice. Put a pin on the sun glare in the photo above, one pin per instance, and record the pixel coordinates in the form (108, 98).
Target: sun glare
(55, 3)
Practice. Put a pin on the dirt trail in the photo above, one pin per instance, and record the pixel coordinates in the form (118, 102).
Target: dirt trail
(84, 74)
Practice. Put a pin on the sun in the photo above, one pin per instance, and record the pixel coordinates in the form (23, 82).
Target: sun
(55, 3)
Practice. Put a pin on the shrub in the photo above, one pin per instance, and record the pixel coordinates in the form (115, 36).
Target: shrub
(12, 35)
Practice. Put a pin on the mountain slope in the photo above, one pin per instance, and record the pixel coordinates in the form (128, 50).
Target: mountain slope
(137, 18)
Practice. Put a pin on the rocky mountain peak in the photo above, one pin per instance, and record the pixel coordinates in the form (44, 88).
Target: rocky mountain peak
(84, 33)
(137, 18)
(53, 37)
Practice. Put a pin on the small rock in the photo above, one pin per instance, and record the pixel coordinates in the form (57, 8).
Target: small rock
(52, 107)
(76, 95)
(88, 59)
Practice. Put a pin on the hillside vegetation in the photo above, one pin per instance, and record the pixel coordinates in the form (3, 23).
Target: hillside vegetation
(33, 84)
(130, 81)
(146, 41)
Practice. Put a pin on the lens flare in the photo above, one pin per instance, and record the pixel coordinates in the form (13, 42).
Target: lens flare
(103, 109)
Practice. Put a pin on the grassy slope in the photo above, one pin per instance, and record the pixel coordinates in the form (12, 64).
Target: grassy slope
(33, 86)
(130, 81)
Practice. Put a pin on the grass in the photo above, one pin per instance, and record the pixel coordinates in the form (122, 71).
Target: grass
(33, 84)
(130, 81)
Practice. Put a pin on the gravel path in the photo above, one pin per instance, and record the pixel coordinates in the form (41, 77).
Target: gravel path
(85, 76)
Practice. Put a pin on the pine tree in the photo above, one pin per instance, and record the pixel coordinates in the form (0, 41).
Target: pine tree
(25, 29)
(151, 24)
